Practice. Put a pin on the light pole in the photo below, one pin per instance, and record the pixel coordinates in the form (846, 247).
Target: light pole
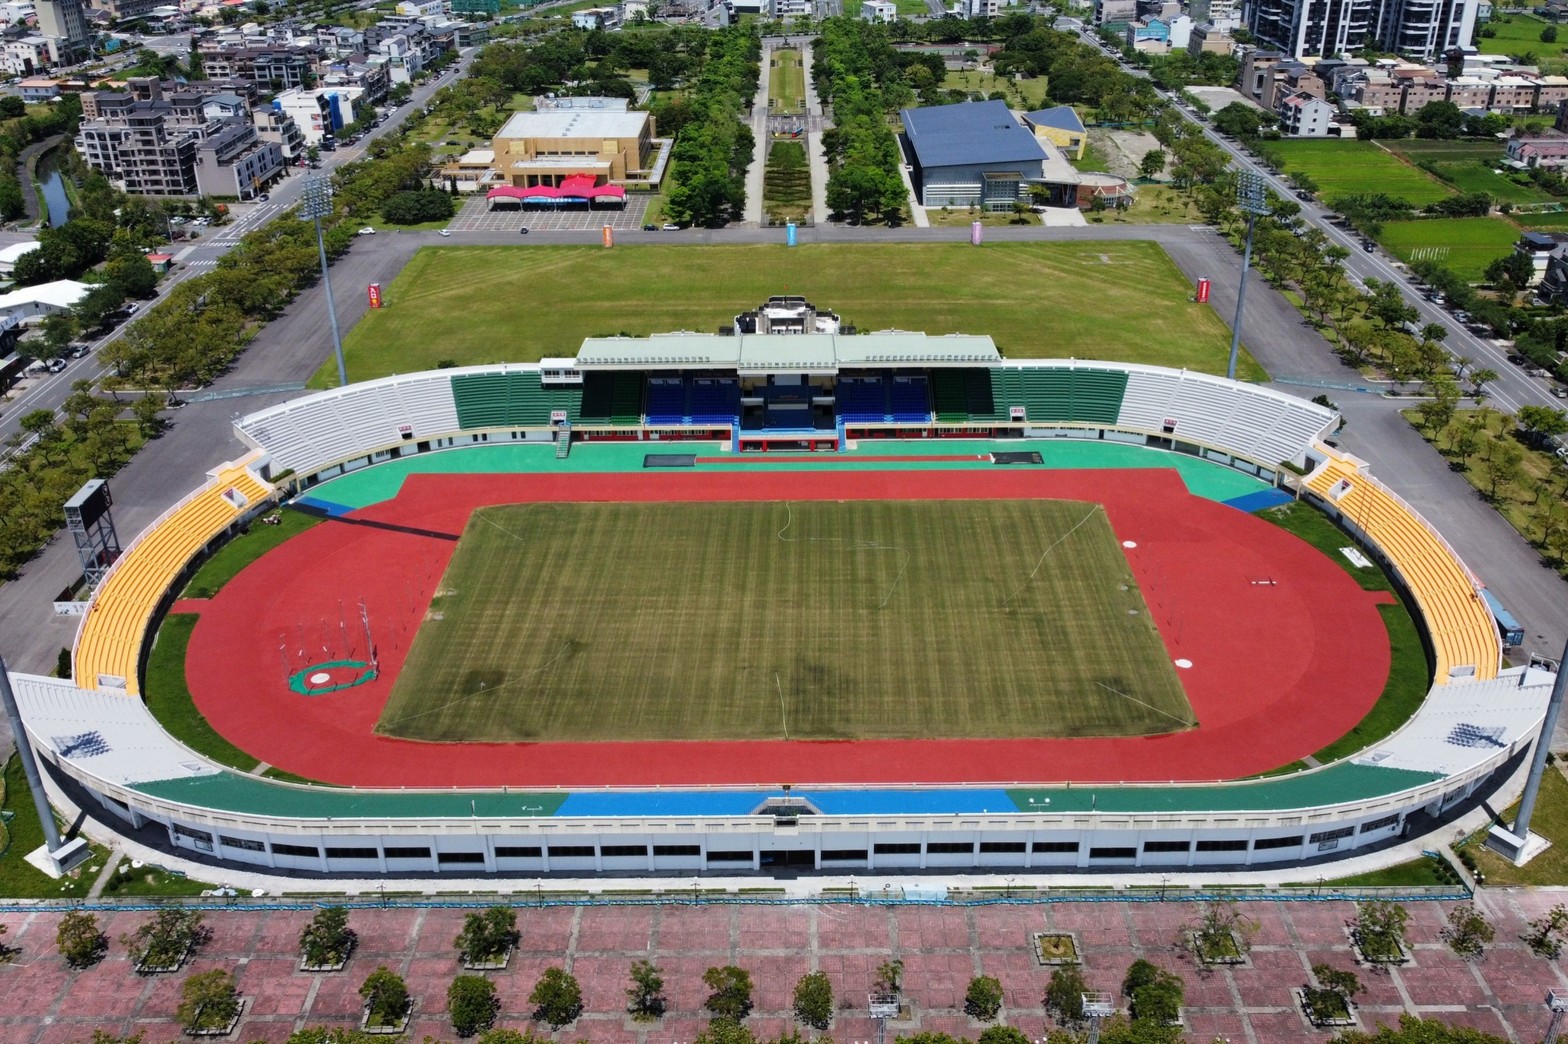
(316, 203)
(1556, 1003)
(1513, 842)
(63, 855)
(1251, 200)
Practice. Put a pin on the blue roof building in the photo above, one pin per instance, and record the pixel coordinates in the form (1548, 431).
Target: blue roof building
(972, 154)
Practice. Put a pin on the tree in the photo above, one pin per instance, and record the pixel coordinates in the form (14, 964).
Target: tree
(412, 208)
(1468, 932)
(146, 409)
(1479, 379)
(557, 998)
(725, 1031)
(1002, 1035)
(1502, 466)
(1541, 423)
(1379, 929)
(890, 977)
(645, 999)
(814, 1000)
(983, 1000)
(12, 107)
(731, 992)
(386, 997)
(208, 1001)
(327, 939)
(1064, 995)
(1222, 931)
(1330, 998)
(1512, 273)
(1155, 993)
(1439, 120)
(1545, 937)
(167, 939)
(1152, 164)
(7, 953)
(473, 1004)
(1415, 1030)
(59, 328)
(487, 936)
(1241, 120)
(1549, 34)
(82, 943)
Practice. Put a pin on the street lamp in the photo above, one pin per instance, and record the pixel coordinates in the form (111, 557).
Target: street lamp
(316, 203)
(1252, 201)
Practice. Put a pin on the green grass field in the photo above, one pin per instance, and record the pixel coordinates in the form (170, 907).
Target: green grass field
(1123, 301)
(1521, 35)
(786, 184)
(787, 83)
(1471, 243)
(1343, 168)
(1469, 166)
(875, 619)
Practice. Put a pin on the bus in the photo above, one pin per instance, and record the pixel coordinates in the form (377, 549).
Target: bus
(1507, 626)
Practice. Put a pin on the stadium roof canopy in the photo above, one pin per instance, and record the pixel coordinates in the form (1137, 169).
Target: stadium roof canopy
(803, 353)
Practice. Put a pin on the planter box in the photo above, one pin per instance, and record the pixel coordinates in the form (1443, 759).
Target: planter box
(225, 1030)
(1056, 948)
(1239, 959)
(390, 1030)
(1402, 956)
(144, 968)
(339, 966)
(493, 964)
(1348, 1019)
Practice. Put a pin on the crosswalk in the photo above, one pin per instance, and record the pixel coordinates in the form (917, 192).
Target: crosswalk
(205, 262)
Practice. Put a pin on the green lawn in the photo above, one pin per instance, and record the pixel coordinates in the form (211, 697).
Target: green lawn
(1409, 675)
(22, 834)
(786, 184)
(1465, 245)
(1030, 93)
(787, 83)
(1550, 820)
(245, 549)
(169, 699)
(1421, 872)
(1469, 166)
(814, 620)
(1343, 168)
(1521, 35)
(1123, 301)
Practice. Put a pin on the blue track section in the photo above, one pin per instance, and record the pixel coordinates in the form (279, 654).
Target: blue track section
(324, 505)
(745, 802)
(1261, 500)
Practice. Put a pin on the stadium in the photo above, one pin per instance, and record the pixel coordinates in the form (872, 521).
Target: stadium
(786, 596)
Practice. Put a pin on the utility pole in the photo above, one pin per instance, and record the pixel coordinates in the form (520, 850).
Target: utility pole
(1252, 201)
(316, 203)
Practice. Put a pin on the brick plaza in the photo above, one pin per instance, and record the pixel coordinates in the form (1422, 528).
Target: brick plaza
(942, 947)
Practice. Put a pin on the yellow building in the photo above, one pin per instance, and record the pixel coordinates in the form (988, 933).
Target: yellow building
(573, 136)
(1061, 127)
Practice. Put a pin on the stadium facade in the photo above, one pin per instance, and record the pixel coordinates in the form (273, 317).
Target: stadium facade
(817, 388)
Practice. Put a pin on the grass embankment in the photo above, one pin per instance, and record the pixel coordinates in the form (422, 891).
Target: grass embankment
(225, 564)
(786, 184)
(1124, 301)
(1409, 673)
(22, 834)
(1550, 820)
(169, 698)
(1525, 484)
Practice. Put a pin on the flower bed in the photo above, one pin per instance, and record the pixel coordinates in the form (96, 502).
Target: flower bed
(1056, 948)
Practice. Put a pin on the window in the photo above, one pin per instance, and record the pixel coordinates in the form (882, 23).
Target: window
(1113, 853)
(351, 853)
(302, 851)
(1167, 846)
(407, 853)
(1224, 845)
(729, 857)
(1047, 847)
(677, 850)
(897, 848)
(571, 851)
(1330, 835)
(1379, 824)
(1263, 843)
(192, 833)
(461, 858)
(950, 848)
(518, 852)
(843, 855)
(1002, 846)
(244, 844)
(624, 851)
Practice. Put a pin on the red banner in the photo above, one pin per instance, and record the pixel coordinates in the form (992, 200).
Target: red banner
(375, 295)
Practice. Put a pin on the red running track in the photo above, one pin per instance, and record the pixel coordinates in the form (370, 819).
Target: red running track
(1288, 652)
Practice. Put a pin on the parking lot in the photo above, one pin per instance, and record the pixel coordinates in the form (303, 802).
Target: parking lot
(476, 216)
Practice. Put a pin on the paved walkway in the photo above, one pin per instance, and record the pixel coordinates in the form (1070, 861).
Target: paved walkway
(41, 1000)
(760, 140)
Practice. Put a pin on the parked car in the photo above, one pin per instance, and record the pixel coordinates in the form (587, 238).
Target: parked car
(57, 365)
(650, 228)
(670, 226)
(366, 231)
(442, 232)
(264, 197)
(523, 231)
(1517, 360)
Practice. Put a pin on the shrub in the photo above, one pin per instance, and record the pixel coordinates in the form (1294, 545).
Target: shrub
(165, 940)
(1003, 1035)
(814, 1000)
(7, 953)
(412, 208)
(472, 1002)
(81, 942)
(984, 998)
(1156, 994)
(645, 999)
(386, 997)
(327, 939)
(731, 996)
(890, 977)
(1223, 932)
(557, 999)
(487, 935)
(208, 1001)
(1330, 998)
(725, 1031)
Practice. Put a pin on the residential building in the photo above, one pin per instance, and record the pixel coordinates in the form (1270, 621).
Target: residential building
(282, 67)
(64, 24)
(38, 89)
(1180, 34)
(567, 136)
(777, 9)
(319, 111)
(1468, 92)
(597, 18)
(1376, 92)
(1554, 282)
(1257, 73)
(1149, 35)
(404, 57)
(370, 75)
(974, 154)
(17, 12)
(1061, 127)
(980, 8)
(1210, 39)
(878, 11)
(1548, 149)
(337, 41)
(1550, 93)
(1303, 116)
(145, 146)
(278, 127)
(1114, 12)
(224, 106)
(1326, 28)
(1514, 94)
(234, 160)
(126, 9)
(1539, 247)
(421, 8)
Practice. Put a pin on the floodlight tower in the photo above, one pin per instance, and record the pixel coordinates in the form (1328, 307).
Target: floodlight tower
(316, 203)
(883, 1007)
(1252, 201)
(63, 854)
(1097, 1007)
(1556, 1003)
(1512, 843)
